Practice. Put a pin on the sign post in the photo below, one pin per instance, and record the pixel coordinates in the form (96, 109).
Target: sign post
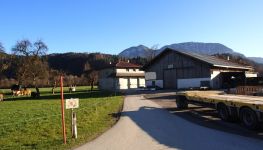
(62, 111)
(71, 104)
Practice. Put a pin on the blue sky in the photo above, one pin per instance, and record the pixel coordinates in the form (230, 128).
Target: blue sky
(110, 26)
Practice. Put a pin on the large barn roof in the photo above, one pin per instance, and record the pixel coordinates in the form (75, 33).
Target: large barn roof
(212, 60)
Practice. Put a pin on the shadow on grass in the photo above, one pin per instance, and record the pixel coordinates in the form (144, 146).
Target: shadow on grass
(78, 94)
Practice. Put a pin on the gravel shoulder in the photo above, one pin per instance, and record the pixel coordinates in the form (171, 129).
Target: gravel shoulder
(146, 125)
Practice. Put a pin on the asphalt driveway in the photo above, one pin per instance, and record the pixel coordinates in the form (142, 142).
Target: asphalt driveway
(146, 125)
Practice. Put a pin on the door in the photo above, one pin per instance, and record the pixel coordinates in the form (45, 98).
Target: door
(170, 79)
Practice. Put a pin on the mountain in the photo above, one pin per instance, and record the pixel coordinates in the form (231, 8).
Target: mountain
(136, 51)
(197, 47)
(256, 59)
(202, 48)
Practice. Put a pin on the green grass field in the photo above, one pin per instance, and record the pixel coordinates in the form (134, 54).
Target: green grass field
(27, 123)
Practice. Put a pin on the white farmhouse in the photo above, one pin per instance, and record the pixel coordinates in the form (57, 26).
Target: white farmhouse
(121, 76)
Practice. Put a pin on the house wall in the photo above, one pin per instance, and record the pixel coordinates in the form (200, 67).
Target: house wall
(120, 83)
(251, 75)
(129, 70)
(130, 83)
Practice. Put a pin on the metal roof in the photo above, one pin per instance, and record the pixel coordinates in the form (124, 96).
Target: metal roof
(212, 60)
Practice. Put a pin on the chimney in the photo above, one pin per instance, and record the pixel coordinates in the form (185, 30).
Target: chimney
(128, 61)
(228, 58)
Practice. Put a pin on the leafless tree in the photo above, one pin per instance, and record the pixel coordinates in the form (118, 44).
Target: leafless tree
(92, 77)
(152, 52)
(3, 62)
(2, 49)
(30, 65)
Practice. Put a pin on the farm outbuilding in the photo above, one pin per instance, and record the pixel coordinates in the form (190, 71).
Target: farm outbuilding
(177, 69)
(121, 76)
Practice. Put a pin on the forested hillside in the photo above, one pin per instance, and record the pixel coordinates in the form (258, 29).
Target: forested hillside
(29, 65)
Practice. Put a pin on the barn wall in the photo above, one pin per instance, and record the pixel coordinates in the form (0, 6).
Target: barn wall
(190, 83)
(186, 67)
(158, 83)
(172, 66)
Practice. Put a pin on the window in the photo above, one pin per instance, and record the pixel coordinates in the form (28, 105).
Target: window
(127, 69)
(134, 69)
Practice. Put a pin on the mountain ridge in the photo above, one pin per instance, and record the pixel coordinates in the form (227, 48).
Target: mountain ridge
(197, 47)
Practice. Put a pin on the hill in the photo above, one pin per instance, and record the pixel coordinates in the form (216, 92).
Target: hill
(136, 51)
(197, 47)
(256, 59)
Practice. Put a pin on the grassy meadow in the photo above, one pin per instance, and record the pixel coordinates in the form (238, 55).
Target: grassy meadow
(27, 123)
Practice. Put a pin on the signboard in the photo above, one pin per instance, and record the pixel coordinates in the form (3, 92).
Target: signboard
(170, 66)
(72, 103)
(150, 75)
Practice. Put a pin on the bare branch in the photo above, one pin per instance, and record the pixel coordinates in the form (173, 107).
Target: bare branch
(2, 49)
(40, 48)
(22, 48)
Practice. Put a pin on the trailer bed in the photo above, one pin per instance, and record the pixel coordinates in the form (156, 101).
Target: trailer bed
(254, 102)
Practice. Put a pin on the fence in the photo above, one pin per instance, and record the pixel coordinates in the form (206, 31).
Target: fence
(249, 90)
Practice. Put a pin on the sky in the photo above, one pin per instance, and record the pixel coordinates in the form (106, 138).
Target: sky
(110, 26)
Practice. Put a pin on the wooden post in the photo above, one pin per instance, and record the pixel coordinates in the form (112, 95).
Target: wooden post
(74, 124)
(62, 111)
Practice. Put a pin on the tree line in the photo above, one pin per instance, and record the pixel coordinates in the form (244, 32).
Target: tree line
(31, 66)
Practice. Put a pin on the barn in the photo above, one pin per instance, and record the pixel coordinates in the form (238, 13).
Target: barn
(177, 69)
(121, 76)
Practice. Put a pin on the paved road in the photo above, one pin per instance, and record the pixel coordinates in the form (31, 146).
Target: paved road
(145, 125)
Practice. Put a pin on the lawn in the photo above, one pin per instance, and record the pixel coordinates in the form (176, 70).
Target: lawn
(27, 123)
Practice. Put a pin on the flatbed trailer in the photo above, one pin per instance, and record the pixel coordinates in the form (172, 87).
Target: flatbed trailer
(247, 109)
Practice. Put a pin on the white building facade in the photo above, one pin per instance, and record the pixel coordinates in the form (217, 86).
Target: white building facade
(121, 76)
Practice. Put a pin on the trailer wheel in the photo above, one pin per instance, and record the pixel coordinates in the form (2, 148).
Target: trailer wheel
(181, 102)
(223, 112)
(249, 118)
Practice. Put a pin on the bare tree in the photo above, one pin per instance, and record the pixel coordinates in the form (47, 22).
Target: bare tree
(26, 48)
(40, 48)
(90, 74)
(152, 52)
(2, 49)
(92, 77)
(30, 65)
(4, 64)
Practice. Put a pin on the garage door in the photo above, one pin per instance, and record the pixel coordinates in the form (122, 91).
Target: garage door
(133, 83)
(123, 83)
(169, 78)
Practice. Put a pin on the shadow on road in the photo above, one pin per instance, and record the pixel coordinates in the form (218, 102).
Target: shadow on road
(171, 131)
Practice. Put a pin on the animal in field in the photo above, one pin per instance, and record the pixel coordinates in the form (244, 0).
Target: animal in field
(26, 92)
(1, 97)
(16, 93)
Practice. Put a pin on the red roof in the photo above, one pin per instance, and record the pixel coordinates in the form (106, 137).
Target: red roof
(123, 64)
